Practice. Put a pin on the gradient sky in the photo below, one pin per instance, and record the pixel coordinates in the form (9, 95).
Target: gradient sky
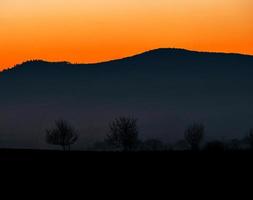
(97, 30)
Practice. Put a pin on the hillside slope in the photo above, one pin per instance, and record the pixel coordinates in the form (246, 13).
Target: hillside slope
(166, 89)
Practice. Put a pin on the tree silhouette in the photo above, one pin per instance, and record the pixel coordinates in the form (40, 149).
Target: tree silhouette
(123, 134)
(153, 145)
(215, 146)
(63, 134)
(194, 135)
(235, 144)
(249, 139)
(181, 145)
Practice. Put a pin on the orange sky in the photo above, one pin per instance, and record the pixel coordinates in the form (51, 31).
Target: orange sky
(97, 30)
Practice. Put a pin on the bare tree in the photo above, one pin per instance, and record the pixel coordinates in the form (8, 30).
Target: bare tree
(215, 146)
(153, 145)
(63, 134)
(194, 135)
(249, 139)
(123, 134)
(235, 144)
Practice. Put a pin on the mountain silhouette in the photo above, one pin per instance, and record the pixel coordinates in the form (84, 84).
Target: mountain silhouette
(166, 89)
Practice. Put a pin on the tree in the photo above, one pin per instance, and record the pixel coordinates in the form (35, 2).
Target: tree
(181, 145)
(215, 146)
(249, 139)
(63, 134)
(153, 145)
(235, 144)
(123, 134)
(194, 135)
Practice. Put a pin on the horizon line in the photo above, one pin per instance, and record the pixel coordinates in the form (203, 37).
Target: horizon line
(129, 56)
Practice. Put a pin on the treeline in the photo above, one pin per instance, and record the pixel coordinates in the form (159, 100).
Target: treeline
(123, 135)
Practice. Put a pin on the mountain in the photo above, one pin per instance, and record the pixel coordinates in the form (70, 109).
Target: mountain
(166, 89)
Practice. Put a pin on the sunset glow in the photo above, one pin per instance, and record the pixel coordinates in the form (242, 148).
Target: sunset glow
(84, 31)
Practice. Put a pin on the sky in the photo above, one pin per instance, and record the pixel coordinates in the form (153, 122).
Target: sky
(89, 31)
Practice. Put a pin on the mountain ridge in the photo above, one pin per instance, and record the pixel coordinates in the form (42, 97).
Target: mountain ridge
(177, 51)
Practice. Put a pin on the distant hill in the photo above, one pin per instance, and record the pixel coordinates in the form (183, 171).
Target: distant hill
(166, 89)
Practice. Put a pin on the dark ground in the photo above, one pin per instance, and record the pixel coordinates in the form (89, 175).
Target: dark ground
(163, 157)
(99, 168)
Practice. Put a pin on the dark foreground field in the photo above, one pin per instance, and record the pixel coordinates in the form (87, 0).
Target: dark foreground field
(101, 167)
(163, 157)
